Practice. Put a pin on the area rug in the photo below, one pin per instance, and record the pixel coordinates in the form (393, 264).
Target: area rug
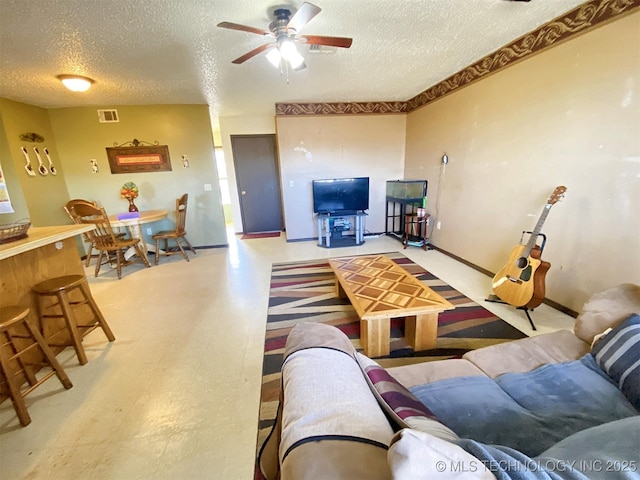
(305, 292)
(248, 236)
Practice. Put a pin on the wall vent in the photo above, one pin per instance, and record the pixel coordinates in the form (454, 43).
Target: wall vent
(322, 49)
(108, 116)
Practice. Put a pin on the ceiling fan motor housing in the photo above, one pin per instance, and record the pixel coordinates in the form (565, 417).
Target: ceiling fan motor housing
(279, 25)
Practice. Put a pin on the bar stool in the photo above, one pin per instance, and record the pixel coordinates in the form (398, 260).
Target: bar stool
(61, 288)
(10, 318)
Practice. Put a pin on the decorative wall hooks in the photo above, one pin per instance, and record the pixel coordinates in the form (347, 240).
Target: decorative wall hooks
(28, 166)
(41, 167)
(52, 169)
(32, 137)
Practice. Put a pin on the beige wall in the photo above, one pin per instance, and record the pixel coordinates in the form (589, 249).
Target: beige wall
(186, 129)
(569, 116)
(43, 196)
(337, 146)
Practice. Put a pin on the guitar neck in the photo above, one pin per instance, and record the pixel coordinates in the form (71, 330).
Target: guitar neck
(536, 231)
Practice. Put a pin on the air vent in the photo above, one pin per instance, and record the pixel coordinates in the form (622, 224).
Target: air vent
(321, 49)
(108, 116)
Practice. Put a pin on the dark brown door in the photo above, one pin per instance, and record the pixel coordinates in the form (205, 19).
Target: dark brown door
(256, 165)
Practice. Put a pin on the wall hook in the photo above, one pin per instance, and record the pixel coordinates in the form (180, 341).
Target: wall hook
(28, 166)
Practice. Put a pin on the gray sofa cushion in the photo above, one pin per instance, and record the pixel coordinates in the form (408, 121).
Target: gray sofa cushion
(607, 309)
(427, 372)
(528, 353)
(609, 451)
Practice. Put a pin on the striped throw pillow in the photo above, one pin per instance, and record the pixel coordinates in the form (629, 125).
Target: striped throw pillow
(401, 405)
(618, 355)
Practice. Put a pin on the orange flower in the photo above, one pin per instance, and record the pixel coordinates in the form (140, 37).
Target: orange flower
(129, 190)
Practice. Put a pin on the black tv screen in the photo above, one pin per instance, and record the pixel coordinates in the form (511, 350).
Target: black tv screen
(341, 195)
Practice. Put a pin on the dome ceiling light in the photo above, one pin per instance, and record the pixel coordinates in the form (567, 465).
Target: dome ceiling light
(76, 83)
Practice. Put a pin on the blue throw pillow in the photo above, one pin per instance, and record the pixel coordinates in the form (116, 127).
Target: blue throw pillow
(618, 355)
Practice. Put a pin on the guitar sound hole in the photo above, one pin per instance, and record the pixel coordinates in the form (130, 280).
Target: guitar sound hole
(522, 262)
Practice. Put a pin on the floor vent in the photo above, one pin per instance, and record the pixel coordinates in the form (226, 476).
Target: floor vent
(108, 116)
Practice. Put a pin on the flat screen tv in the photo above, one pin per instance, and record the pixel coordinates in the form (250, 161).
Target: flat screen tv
(341, 195)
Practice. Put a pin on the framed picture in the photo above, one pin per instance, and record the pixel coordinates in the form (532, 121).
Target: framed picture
(139, 159)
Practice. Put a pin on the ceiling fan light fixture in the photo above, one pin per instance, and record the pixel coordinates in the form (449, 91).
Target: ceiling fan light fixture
(76, 83)
(290, 53)
(296, 61)
(274, 57)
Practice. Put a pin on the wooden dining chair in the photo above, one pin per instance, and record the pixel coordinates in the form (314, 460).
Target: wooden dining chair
(178, 234)
(69, 207)
(104, 239)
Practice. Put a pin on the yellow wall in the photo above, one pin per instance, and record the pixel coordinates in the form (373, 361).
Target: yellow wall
(43, 195)
(12, 182)
(569, 116)
(332, 147)
(74, 137)
(184, 128)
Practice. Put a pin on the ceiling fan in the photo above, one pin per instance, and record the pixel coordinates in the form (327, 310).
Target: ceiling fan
(284, 29)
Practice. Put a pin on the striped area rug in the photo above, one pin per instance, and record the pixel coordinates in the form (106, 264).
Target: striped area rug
(305, 292)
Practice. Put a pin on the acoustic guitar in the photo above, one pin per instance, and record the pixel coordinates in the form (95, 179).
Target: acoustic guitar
(521, 281)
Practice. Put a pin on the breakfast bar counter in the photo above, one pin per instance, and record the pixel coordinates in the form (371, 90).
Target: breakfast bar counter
(41, 236)
(45, 253)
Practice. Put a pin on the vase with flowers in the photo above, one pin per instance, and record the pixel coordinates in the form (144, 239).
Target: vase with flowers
(130, 191)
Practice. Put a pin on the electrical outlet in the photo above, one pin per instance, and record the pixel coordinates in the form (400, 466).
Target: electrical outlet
(148, 231)
(438, 225)
(207, 187)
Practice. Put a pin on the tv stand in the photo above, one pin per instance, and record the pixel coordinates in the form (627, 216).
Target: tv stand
(333, 228)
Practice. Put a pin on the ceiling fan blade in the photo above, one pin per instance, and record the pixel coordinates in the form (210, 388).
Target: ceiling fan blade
(243, 28)
(303, 16)
(252, 53)
(343, 42)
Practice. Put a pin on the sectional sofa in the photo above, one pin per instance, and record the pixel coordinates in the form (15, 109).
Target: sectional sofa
(558, 405)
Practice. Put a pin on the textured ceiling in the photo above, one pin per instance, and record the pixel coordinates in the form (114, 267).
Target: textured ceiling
(170, 51)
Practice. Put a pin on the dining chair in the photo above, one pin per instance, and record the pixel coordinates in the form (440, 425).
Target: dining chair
(177, 235)
(104, 239)
(69, 207)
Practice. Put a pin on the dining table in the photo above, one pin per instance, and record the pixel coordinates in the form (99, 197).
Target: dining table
(134, 225)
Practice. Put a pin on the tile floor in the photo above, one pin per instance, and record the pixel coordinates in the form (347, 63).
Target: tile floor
(176, 395)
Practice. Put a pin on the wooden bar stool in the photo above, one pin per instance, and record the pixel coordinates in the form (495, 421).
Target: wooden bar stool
(11, 318)
(61, 288)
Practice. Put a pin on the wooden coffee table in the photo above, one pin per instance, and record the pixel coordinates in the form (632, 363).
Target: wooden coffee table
(379, 290)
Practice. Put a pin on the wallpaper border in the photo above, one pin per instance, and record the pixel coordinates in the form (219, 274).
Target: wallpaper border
(580, 20)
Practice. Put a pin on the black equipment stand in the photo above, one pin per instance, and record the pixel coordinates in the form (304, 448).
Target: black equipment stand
(496, 299)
